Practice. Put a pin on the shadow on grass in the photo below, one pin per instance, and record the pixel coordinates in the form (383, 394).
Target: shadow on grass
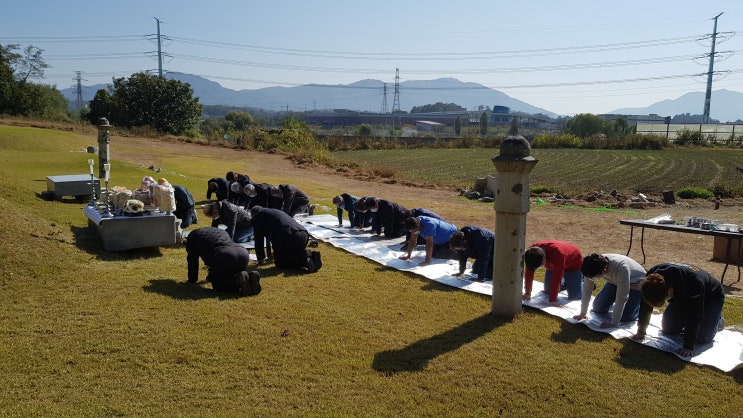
(183, 290)
(634, 355)
(429, 285)
(417, 355)
(87, 239)
(570, 333)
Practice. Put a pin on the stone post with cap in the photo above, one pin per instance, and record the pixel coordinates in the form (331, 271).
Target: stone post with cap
(511, 206)
(103, 141)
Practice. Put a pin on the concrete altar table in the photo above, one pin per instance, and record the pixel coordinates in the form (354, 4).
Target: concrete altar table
(119, 233)
(77, 185)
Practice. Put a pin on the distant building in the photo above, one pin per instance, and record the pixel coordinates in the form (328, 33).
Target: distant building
(429, 126)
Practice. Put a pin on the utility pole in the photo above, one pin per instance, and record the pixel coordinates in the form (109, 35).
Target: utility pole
(708, 94)
(396, 101)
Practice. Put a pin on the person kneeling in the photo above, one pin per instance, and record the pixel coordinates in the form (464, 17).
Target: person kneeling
(226, 260)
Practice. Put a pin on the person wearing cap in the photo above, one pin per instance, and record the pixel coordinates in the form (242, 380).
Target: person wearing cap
(695, 300)
(562, 262)
(288, 237)
(389, 217)
(477, 243)
(622, 287)
(227, 262)
(219, 186)
(235, 218)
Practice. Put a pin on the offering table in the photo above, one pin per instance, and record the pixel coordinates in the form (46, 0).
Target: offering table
(729, 237)
(119, 233)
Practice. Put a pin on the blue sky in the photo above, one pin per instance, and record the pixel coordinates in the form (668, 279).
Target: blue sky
(564, 56)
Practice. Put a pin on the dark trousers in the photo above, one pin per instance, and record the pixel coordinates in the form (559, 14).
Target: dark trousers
(673, 321)
(226, 264)
(291, 252)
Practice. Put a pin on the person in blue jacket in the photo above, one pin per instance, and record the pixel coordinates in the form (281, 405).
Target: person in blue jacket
(436, 233)
(695, 299)
(477, 243)
(347, 202)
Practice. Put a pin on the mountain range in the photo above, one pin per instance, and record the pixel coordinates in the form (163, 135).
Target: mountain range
(369, 95)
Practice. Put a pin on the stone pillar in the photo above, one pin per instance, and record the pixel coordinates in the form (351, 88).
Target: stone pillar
(511, 206)
(103, 141)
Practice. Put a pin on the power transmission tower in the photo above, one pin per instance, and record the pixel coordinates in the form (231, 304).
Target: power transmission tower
(79, 90)
(384, 99)
(159, 50)
(160, 53)
(385, 110)
(396, 100)
(708, 94)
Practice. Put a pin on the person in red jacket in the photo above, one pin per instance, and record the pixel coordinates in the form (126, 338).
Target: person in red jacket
(562, 260)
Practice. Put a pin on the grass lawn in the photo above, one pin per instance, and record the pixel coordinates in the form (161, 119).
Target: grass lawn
(90, 333)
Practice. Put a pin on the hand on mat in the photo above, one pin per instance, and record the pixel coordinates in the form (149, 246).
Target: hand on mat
(685, 352)
(425, 263)
(556, 304)
(579, 317)
(637, 337)
(457, 274)
(526, 297)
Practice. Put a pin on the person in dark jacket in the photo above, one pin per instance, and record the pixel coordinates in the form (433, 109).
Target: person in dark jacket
(185, 207)
(695, 299)
(258, 194)
(219, 186)
(227, 261)
(388, 217)
(236, 219)
(293, 200)
(364, 217)
(477, 243)
(288, 238)
(347, 202)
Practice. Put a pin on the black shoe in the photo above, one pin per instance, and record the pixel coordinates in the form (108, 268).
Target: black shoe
(254, 281)
(317, 260)
(311, 265)
(243, 283)
(313, 243)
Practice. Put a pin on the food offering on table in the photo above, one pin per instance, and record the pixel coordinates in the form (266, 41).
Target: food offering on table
(134, 207)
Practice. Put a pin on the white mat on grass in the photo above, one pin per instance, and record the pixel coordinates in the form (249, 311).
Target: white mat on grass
(725, 353)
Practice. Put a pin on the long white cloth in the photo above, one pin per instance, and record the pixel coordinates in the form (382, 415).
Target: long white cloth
(724, 353)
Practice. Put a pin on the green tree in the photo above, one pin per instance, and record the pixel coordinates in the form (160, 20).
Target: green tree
(240, 120)
(514, 129)
(484, 123)
(585, 125)
(30, 64)
(437, 107)
(458, 125)
(364, 130)
(20, 97)
(149, 100)
(101, 106)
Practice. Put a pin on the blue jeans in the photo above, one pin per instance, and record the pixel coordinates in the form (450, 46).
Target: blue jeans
(572, 280)
(243, 234)
(608, 294)
(674, 321)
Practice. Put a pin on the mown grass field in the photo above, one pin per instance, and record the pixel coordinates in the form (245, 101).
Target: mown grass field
(90, 333)
(566, 170)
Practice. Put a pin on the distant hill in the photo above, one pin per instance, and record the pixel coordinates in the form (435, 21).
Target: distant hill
(725, 106)
(367, 95)
(364, 95)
